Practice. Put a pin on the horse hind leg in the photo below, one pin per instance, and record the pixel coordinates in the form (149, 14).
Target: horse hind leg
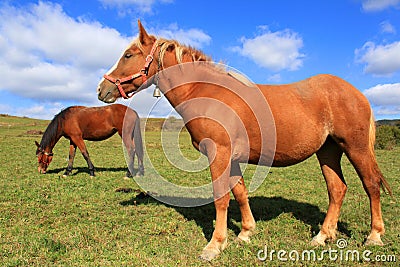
(240, 193)
(329, 156)
(140, 165)
(371, 177)
(128, 140)
(131, 159)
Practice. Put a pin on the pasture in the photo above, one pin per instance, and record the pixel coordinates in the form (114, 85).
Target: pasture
(48, 220)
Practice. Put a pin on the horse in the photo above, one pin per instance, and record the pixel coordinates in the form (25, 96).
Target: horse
(322, 115)
(79, 123)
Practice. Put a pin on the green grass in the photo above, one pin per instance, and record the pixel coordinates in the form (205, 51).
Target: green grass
(47, 220)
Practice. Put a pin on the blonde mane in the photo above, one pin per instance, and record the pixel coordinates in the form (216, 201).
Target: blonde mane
(195, 56)
(181, 51)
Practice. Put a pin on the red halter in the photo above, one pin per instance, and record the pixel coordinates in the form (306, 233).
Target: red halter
(143, 72)
(48, 158)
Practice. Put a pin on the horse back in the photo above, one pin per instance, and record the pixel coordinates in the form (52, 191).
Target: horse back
(320, 99)
(94, 123)
(308, 111)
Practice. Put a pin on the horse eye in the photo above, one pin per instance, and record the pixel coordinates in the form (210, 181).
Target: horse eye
(128, 55)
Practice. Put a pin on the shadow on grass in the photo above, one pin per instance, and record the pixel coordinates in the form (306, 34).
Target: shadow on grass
(77, 170)
(263, 208)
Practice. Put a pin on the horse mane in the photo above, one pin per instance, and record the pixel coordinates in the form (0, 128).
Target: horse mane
(51, 132)
(180, 50)
(196, 56)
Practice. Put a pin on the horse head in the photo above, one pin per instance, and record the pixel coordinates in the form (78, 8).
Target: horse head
(44, 158)
(144, 57)
(132, 70)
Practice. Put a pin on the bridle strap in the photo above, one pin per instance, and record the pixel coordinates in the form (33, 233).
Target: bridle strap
(40, 159)
(48, 154)
(142, 73)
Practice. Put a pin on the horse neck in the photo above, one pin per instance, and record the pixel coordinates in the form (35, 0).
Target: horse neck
(51, 136)
(178, 81)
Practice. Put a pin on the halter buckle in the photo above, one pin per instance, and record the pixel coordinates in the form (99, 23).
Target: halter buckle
(149, 58)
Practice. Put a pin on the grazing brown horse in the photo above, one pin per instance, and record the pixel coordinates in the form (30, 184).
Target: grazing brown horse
(324, 115)
(79, 123)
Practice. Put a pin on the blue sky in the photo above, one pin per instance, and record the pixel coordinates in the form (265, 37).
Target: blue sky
(53, 53)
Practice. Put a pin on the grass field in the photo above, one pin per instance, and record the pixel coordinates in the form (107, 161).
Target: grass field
(47, 220)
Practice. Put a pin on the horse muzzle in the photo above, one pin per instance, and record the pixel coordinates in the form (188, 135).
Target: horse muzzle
(108, 98)
(106, 93)
(41, 170)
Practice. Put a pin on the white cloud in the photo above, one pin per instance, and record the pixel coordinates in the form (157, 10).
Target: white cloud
(385, 98)
(274, 50)
(50, 60)
(390, 111)
(387, 27)
(194, 37)
(42, 111)
(384, 94)
(48, 55)
(380, 60)
(128, 6)
(379, 5)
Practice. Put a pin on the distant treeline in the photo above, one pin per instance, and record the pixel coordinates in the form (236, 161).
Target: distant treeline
(166, 124)
(388, 122)
(387, 134)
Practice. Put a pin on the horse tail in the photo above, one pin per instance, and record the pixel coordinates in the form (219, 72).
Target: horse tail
(137, 136)
(372, 136)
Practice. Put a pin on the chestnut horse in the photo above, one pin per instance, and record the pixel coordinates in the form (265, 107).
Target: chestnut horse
(324, 115)
(79, 123)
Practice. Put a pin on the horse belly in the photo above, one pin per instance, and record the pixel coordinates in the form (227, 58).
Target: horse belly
(98, 136)
(298, 146)
(302, 123)
(294, 142)
(98, 133)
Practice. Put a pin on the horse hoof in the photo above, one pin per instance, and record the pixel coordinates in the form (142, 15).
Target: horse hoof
(242, 239)
(209, 254)
(317, 241)
(370, 242)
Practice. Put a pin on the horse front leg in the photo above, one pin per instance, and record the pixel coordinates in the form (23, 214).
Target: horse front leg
(71, 156)
(240, 193)
(220, 170)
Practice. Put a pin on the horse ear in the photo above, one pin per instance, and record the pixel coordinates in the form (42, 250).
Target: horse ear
(37, 144)
(143, 36)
